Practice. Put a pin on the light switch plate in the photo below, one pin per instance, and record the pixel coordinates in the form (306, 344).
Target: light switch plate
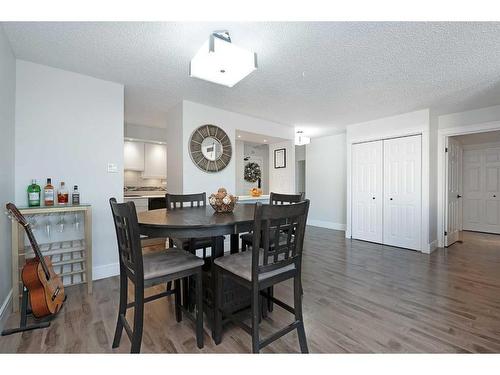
(112, 168)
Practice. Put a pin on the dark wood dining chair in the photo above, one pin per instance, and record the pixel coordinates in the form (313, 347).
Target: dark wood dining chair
(149, 270)
(247, 238)
(265, 266)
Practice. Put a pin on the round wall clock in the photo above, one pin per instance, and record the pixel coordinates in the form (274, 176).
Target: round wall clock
(210, 148)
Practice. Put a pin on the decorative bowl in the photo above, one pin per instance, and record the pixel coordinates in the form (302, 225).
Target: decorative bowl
(255, 192)
(222, 201)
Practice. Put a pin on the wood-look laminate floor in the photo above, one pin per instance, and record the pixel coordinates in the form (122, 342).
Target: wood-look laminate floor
(359, 297)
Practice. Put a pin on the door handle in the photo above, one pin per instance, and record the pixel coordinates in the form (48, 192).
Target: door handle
(494, 196)
(373, 197)
(390, 199)
(459, 196)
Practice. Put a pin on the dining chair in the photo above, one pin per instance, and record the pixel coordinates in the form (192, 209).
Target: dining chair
(247, 238)
(147, 270)
(265, 266)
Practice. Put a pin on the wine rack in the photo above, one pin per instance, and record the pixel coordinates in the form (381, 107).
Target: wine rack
(64, 234)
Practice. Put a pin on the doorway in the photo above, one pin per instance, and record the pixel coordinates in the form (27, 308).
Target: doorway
(472, 195)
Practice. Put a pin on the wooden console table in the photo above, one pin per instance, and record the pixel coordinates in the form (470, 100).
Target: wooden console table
(64, 233)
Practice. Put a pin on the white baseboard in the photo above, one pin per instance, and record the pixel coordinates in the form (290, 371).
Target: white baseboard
(432, 246)
(5, 309)
(106, 270)
(326, 224)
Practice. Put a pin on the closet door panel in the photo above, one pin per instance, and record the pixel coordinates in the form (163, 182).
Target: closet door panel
(403, 192)
(367, 191)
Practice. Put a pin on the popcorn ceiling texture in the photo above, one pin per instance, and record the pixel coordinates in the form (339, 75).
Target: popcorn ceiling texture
(323, 76)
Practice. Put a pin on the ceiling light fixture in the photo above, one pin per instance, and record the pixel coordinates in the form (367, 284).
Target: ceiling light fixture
(301, 139)
(222, 62)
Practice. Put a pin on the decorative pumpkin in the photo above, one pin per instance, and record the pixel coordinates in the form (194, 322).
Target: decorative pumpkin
(255, 192)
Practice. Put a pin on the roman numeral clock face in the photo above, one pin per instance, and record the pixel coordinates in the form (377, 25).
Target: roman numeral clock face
(210, 148)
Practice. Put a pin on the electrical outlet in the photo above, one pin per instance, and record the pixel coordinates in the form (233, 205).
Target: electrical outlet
(112, 168)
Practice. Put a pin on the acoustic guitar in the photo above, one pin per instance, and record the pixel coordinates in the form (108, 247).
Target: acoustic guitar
(45, 287)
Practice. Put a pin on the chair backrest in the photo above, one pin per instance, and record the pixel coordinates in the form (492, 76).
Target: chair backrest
(128, 238)
(175, 201)
(277, 198)
(280, 229)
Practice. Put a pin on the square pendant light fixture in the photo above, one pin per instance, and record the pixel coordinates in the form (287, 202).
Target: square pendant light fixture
(219, 61)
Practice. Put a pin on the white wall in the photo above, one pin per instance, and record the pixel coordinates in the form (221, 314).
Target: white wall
(7, 120)
(476, 116)
(174, 150)
(195, 180)
(147, 133)
(326, 181)
(69, 127)
(417, 122)
(282, 180)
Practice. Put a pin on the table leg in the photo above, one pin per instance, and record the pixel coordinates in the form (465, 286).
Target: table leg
(235, 243)
(217, 251)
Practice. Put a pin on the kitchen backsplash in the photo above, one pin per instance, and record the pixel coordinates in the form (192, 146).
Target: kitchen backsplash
(134, 181)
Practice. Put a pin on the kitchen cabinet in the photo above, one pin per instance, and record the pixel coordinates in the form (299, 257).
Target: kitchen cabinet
(155, 161)
(141, 204)
(134, 156)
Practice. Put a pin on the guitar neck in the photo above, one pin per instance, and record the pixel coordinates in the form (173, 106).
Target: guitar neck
(36, 249)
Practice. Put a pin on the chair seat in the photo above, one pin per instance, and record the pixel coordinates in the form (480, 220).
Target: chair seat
(168, 262)
(240, 264)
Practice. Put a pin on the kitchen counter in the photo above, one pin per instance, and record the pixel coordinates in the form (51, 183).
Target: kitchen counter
(249, 199)
(136, 196)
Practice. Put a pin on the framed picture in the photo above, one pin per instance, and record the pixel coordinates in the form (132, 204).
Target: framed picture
(280, 158)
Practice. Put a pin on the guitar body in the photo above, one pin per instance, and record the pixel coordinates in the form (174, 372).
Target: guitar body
(46, 296)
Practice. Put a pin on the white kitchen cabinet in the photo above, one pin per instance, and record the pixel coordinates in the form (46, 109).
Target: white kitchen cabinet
(155, 161)
(133, 156)
(141, 204)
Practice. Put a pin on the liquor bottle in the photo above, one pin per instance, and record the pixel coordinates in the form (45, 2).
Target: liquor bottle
(34, 194)
(62, 194)
(75, 196)
(48, 193)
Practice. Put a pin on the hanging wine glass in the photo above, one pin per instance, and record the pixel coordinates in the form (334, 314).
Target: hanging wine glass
(33, 223)
(47, 226)
(76, 222)
(61, 222)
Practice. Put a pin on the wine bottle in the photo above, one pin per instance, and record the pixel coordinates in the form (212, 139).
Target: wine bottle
(48, 193)
(34, 191)
(62, 194)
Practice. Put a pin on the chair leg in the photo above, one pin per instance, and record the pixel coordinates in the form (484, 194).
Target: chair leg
(270, 304)
(255, 319)
(297, 305)
(199, 310)
(177, 297)
(169, 285)
(138, 318)
(185, 293)
(122, 309)
(217, 321)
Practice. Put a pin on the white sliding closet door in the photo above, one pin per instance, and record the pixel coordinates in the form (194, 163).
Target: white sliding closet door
(482, 190)
(367, 191)
(403, 192)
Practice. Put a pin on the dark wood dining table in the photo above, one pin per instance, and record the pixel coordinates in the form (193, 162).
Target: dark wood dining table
(197, 222)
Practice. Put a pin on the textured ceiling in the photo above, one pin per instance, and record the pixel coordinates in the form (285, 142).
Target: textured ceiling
(320, 76)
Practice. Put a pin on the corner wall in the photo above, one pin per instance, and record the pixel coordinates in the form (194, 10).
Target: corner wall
(69, 127)
(7, 125)
(326, 181)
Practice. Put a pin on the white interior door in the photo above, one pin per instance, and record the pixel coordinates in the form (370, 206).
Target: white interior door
(403, 192)
(453, 192)
(482, 190)
(367, 191)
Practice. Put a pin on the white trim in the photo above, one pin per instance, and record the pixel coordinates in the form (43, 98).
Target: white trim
(326, 224)
(5, 310)
(442, 135)
(425, 199)
(431, 247)
(106, 270)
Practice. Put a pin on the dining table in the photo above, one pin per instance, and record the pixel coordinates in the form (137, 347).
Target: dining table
(200, 222)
